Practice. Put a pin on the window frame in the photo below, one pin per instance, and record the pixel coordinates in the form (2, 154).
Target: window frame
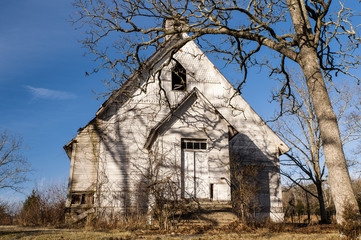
(188, 144)
(179, 77)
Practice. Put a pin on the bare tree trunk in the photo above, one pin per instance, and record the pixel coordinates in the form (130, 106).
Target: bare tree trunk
(339, 178)
(308, 209)
(321, 202)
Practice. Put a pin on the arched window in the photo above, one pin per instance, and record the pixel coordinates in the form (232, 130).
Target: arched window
(179, 81)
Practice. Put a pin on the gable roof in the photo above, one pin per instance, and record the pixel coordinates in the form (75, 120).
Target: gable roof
(173, 116)
(148, 67)
(129, 86)
(206, 71)
(154, 63)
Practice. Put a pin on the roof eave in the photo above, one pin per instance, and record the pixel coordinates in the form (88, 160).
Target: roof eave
(69, 148)
(154, 131)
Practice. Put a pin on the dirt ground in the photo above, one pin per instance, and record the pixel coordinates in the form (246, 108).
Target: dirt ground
(309, 233)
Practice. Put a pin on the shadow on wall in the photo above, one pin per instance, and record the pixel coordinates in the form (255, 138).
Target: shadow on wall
(255, 180)
(126, 171)
(118, 189)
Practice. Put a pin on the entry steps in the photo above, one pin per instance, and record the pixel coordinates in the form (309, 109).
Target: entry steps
(209, 213)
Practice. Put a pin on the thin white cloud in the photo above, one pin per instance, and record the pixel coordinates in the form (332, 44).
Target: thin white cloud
(45, 93)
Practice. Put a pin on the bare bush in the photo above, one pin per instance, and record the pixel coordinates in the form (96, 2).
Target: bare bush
(166, 204)
(6, 213)
(44, 206)
(168, 208)
(31, 213)
(245, 187)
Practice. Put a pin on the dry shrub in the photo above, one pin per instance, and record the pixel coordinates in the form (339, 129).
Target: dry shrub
(6, 213)
(239, 227)
(166, 205)
(193, 229)
(302, 228)
(279, 227)
(31, 214)
(167, 214)
(44, 207)
(351, 225)
(245, 187)
(109, 221)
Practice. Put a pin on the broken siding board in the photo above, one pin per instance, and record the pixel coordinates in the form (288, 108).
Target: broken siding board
(85, 160)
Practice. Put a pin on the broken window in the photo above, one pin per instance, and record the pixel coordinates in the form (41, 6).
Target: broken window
(76, 198)
(179, 77)
(82, 198)
(194, 144)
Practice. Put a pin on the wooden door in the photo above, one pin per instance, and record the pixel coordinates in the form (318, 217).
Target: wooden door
(189, 180)
(195, 174)
(201, 175)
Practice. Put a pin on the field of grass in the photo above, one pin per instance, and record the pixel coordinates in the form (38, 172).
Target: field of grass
(309, 233)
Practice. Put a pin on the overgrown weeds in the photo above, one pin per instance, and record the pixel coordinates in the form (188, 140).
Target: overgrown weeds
(116, 221)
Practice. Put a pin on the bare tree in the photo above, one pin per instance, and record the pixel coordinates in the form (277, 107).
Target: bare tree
(301, 131)
(121, 34)
(44, 206)
(13, 165)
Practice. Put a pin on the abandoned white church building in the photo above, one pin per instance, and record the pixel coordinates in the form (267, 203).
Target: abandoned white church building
(180, 122)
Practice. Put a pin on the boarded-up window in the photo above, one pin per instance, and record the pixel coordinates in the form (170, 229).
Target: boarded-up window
(179, 81)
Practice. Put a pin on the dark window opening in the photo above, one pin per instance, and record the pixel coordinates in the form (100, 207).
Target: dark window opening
(76, 199)
(179, 77)
(82, 198)
(211, 191)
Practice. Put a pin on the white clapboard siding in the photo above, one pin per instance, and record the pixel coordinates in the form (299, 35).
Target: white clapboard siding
(131, 134)
(85, 160)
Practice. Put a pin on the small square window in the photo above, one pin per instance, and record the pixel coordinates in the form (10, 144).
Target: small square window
(203, 145)
(196, 145)
(189, 145)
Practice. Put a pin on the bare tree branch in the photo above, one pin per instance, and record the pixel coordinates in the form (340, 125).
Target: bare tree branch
(13, 166)
(121, 34)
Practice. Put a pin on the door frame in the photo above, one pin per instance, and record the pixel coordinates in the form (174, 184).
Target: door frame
(199, 145)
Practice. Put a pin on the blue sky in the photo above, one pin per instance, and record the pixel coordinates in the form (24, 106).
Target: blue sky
(44, 93)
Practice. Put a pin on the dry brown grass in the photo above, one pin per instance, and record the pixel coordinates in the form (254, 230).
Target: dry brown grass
(185, 232)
